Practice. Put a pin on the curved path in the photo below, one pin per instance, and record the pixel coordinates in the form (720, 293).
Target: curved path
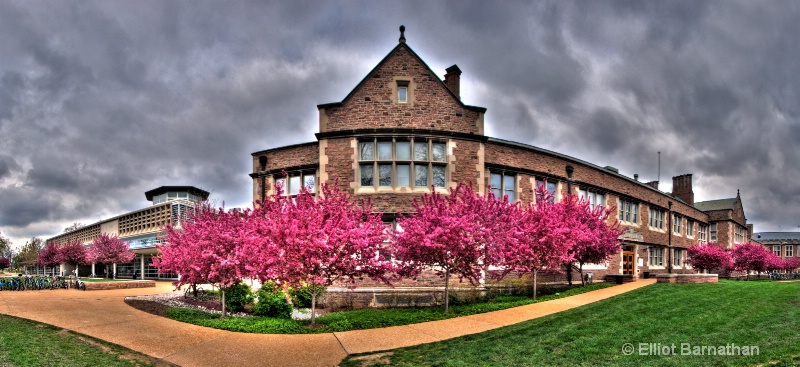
(104, 315)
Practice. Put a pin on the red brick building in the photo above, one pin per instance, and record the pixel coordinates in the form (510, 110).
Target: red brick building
(402, 129)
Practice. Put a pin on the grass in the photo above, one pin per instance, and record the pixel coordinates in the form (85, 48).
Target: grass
(762, 314)
(361, 319)
(29, 343)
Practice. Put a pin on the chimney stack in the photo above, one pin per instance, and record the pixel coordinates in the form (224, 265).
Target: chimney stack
(682, 188)
(653, 184)
(453, 80)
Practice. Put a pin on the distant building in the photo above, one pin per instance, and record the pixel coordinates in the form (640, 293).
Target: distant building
(783, 244)
(141, 229)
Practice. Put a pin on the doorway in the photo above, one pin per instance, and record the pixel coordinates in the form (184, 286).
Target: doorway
(628, 260)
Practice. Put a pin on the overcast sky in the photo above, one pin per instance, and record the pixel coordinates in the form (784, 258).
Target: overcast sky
(102, 101)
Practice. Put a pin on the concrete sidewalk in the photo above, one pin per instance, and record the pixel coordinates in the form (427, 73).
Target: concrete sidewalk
(104, 315)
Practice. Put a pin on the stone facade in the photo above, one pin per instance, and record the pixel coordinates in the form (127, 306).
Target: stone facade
(432, 109)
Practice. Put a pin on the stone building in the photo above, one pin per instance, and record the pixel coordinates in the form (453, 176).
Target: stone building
(403, 129)
(783, 244)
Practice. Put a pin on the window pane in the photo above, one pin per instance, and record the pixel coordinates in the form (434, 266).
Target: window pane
(385, 150)
(421, 175)
(403, 151)
(402, 94)
(601, 200)
(508, 182)
(366, 151)
(438, 153)
(294, 185)
(438, 176)
(420, 151)
(496, 181)
(308, 182)
(591, 199)
(583, 194)
(498, 194)
(511, 195)
(366, 175)
(403, 175)
(385, 175)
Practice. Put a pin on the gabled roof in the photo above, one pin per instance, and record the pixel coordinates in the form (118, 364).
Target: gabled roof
(711, 205)
(383, 61)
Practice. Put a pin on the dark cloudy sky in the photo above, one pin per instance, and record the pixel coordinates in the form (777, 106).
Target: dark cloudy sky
(102, 101)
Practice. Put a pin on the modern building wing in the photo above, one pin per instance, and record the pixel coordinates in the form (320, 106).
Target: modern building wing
(142, 229)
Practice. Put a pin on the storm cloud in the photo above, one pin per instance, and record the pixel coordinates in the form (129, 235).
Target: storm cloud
(102, 101)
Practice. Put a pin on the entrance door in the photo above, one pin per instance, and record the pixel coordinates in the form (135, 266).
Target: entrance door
(627, 262)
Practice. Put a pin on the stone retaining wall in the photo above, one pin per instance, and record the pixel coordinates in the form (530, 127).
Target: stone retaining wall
(120, 285)
(687, 278)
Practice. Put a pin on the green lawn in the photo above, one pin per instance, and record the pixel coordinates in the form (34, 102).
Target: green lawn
(361, 319)
(762, 314)
(29, 343)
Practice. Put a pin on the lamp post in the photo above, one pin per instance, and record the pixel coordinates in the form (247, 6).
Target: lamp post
(262, 160)
(669, 239)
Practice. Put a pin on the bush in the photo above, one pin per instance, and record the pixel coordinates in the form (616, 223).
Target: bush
(301, 298)
(238, 295)
(272, 303)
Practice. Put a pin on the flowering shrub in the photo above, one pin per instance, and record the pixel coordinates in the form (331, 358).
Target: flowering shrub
(707, 257)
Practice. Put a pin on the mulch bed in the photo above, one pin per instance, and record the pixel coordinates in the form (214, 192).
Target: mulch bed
(158, 309)
(151, 307)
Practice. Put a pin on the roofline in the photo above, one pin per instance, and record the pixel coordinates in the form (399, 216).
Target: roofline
(592, 165)
(203, 193)
(261, 152)
(385, 58)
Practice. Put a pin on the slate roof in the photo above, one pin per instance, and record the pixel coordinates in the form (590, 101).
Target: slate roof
(711, 205)
(776, 236)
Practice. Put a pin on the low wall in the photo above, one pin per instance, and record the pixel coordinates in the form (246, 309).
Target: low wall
(687, 278)
(120, 285)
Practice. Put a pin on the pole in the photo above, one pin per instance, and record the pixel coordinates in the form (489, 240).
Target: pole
(669, 240)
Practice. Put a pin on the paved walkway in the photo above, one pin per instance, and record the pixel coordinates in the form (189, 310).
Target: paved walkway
(104, 315)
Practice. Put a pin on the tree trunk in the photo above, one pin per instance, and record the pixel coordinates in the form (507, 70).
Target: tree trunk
(314, 306)
(535, 272)
(580, 271)
(221, 289)
(569, 273)
(447, 290)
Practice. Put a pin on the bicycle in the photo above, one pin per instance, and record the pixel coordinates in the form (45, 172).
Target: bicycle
(78, 284)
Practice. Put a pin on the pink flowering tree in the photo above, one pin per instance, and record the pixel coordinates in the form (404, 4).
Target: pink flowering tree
(312, 243)
(4, 262)
(749, 257)
(544, 238)
(48, 256)
(73, 253)
(206, 249)
(461, 233)
(789, 263)
(707, 257)
(109, 249)
(595, 241)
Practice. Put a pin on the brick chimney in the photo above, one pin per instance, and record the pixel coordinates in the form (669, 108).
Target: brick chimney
(682, 188)
(653, 184)
(453, 80)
